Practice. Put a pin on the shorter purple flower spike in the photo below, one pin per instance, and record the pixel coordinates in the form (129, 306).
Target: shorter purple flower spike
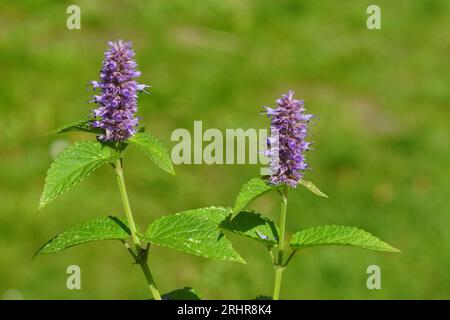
(290, 122)
(117, 103)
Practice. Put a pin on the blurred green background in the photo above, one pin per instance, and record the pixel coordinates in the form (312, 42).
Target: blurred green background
(381, 141)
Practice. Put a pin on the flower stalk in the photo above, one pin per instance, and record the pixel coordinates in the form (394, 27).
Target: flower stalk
(141, 254)
(279, 267)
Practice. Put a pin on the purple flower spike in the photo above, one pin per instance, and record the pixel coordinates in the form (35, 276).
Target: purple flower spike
(291, 123)
(117, 103)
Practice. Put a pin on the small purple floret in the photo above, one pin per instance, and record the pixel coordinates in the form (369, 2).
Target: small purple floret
(117, 101)
(291, 123)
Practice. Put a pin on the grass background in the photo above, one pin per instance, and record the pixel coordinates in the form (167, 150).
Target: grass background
(381, 141)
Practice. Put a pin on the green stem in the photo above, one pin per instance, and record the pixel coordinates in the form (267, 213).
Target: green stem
(150, 281)
(140, 252)
(126, 202)
(277, 287)
(279, 268)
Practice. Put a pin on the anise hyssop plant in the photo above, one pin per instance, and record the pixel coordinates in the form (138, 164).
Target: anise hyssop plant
(288, 164)
(116, 126)
(199, 231)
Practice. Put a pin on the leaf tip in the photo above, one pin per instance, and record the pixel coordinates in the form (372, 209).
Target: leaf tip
(313, 188)
(42, 204)
(394, 250)
(36, 254)
(40, 251)
(241, 260)
(44, 201)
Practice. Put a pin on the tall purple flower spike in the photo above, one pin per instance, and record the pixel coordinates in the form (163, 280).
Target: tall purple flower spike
(289, 120)
(117, 103)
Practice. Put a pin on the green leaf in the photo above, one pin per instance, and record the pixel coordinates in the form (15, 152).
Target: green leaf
(186, 293)
(195, 232)
(106, 228)
(254, 226)
(80, 125)
(72, 165)
(154, 149)
(339, 235)
(312, 187)
(253, 189)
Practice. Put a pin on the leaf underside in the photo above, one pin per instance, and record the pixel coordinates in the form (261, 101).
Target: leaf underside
(106, 228)
(312, 187)
(154, 149)
(251, 190)
(339, 235)
(254, 226)
(195, 232)
(72, 165)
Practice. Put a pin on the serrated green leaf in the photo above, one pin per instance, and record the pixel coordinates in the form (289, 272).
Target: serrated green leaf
(251, 190)
(72, 165)
(80, 125)
(106, 228)
(254, 226)
(195, 232)
(312, 187)
(339, 235)
(186, 293)
(154, 149)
